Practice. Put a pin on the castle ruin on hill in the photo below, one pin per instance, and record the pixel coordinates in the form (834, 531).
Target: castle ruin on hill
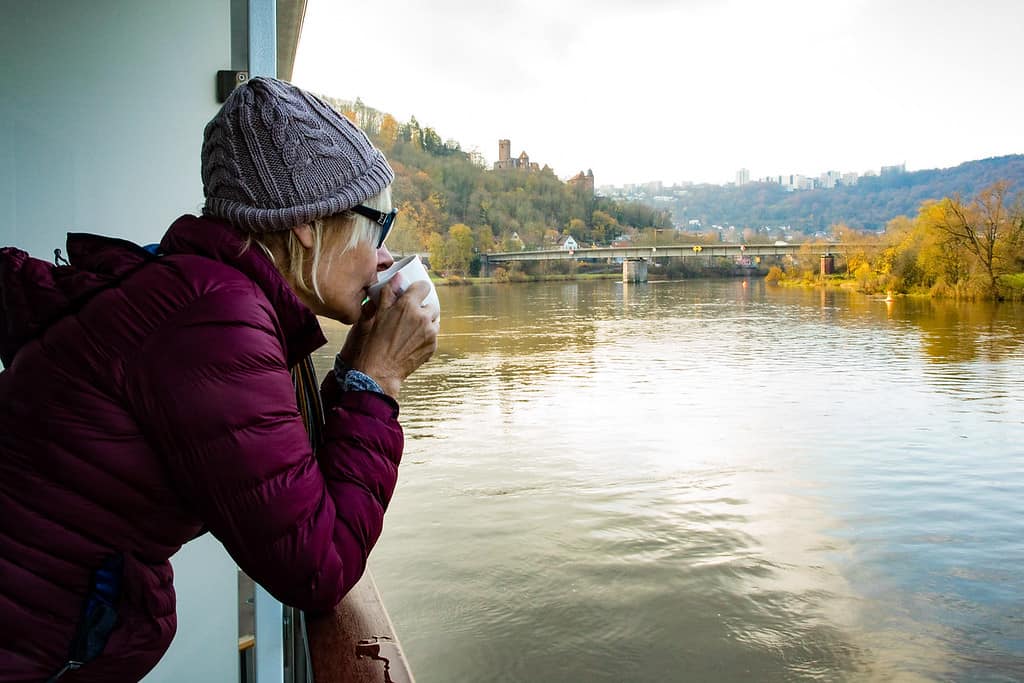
(583, 181)
(505, 162)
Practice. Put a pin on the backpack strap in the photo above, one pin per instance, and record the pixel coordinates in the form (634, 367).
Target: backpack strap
(99, 615)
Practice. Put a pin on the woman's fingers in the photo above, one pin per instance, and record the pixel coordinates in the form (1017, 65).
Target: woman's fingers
(403, 337)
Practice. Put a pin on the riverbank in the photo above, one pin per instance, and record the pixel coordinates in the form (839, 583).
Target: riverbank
(516, 277)
(458, 281)
(1011, 287)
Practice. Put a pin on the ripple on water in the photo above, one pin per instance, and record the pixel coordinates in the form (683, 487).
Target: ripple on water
(698, 481)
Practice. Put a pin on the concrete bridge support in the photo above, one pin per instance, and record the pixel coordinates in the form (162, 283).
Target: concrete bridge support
(634, 270)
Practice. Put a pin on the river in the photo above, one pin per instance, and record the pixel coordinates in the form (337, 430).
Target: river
(710, 481)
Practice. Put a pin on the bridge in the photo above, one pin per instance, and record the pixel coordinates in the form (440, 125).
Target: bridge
(647, 253)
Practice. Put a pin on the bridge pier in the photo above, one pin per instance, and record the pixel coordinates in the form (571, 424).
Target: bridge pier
(828, 264)
(485, 269)
(634, 270)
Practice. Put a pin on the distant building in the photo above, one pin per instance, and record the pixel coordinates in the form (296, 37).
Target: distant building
(567, 243)
(829, 179)
(894, 170)
(506, 162)
(583, 181)
(792, 181)
(477, 158)
(742, 176)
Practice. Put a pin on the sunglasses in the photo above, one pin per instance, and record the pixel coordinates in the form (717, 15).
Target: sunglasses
(384, 220)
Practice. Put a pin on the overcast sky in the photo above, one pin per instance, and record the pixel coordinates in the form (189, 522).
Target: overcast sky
(686, 90)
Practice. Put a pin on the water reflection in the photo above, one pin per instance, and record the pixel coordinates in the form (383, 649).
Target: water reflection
(709, 481)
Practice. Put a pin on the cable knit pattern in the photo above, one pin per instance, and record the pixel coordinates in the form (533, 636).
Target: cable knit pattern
(275, 157)
(221, 173)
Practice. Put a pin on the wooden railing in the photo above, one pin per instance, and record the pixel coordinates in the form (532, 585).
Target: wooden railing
(357, 642)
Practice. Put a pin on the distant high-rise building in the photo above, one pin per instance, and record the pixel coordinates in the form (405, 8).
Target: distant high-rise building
(894, 170)
(829, 179)
(743, 176)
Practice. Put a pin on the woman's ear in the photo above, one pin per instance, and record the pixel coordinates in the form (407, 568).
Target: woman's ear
(305, 234)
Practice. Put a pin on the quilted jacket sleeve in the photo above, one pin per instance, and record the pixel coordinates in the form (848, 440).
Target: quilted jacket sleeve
(216, 400)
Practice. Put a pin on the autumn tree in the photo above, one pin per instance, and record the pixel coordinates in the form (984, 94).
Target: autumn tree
(897, 262)
(860, 247)
(388, 132)
(605, 226)
(438, 256)
(483, 237)
(459, 248)
(405, 237)
(941, 265)
(986, 228)
(577, 228)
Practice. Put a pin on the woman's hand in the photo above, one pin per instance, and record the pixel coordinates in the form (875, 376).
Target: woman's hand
(395, 339)
(357, 333)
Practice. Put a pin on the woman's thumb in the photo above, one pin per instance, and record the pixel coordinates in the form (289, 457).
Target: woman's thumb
(390, 291)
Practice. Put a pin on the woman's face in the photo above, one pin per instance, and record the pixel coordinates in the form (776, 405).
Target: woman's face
(344, 277)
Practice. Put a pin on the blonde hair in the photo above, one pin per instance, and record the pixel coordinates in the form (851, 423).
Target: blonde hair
(287, 253)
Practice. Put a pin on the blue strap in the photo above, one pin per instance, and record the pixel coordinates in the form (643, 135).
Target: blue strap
(99, 615)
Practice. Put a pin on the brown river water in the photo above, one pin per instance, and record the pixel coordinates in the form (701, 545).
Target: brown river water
(709, 481)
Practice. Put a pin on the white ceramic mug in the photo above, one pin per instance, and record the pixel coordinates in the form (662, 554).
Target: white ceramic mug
(412, 270)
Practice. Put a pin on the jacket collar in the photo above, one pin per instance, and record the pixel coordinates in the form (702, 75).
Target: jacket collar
(220, 241)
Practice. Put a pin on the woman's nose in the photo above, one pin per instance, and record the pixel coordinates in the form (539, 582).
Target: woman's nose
(384, 258)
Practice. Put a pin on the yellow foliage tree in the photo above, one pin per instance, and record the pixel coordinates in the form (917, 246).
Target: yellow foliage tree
(986, 228)
(459, 248)
(388, 131)
(405, 236)
(605, 226)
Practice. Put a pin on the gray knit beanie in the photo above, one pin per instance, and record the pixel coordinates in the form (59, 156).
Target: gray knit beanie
(275, 157)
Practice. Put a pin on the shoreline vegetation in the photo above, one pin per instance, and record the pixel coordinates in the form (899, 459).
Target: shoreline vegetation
(454, 208)
(1011, 286)
(955, 248)
(965, 250)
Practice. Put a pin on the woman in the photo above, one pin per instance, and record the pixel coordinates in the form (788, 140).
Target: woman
(147, 398)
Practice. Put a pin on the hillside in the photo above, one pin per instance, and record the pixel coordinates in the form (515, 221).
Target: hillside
(438, 186)
(449, 203)
(868, 205)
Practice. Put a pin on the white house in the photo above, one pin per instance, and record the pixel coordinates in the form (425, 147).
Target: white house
(567, 243)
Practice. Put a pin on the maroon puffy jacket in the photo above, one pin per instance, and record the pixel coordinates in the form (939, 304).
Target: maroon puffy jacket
(145, 399)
